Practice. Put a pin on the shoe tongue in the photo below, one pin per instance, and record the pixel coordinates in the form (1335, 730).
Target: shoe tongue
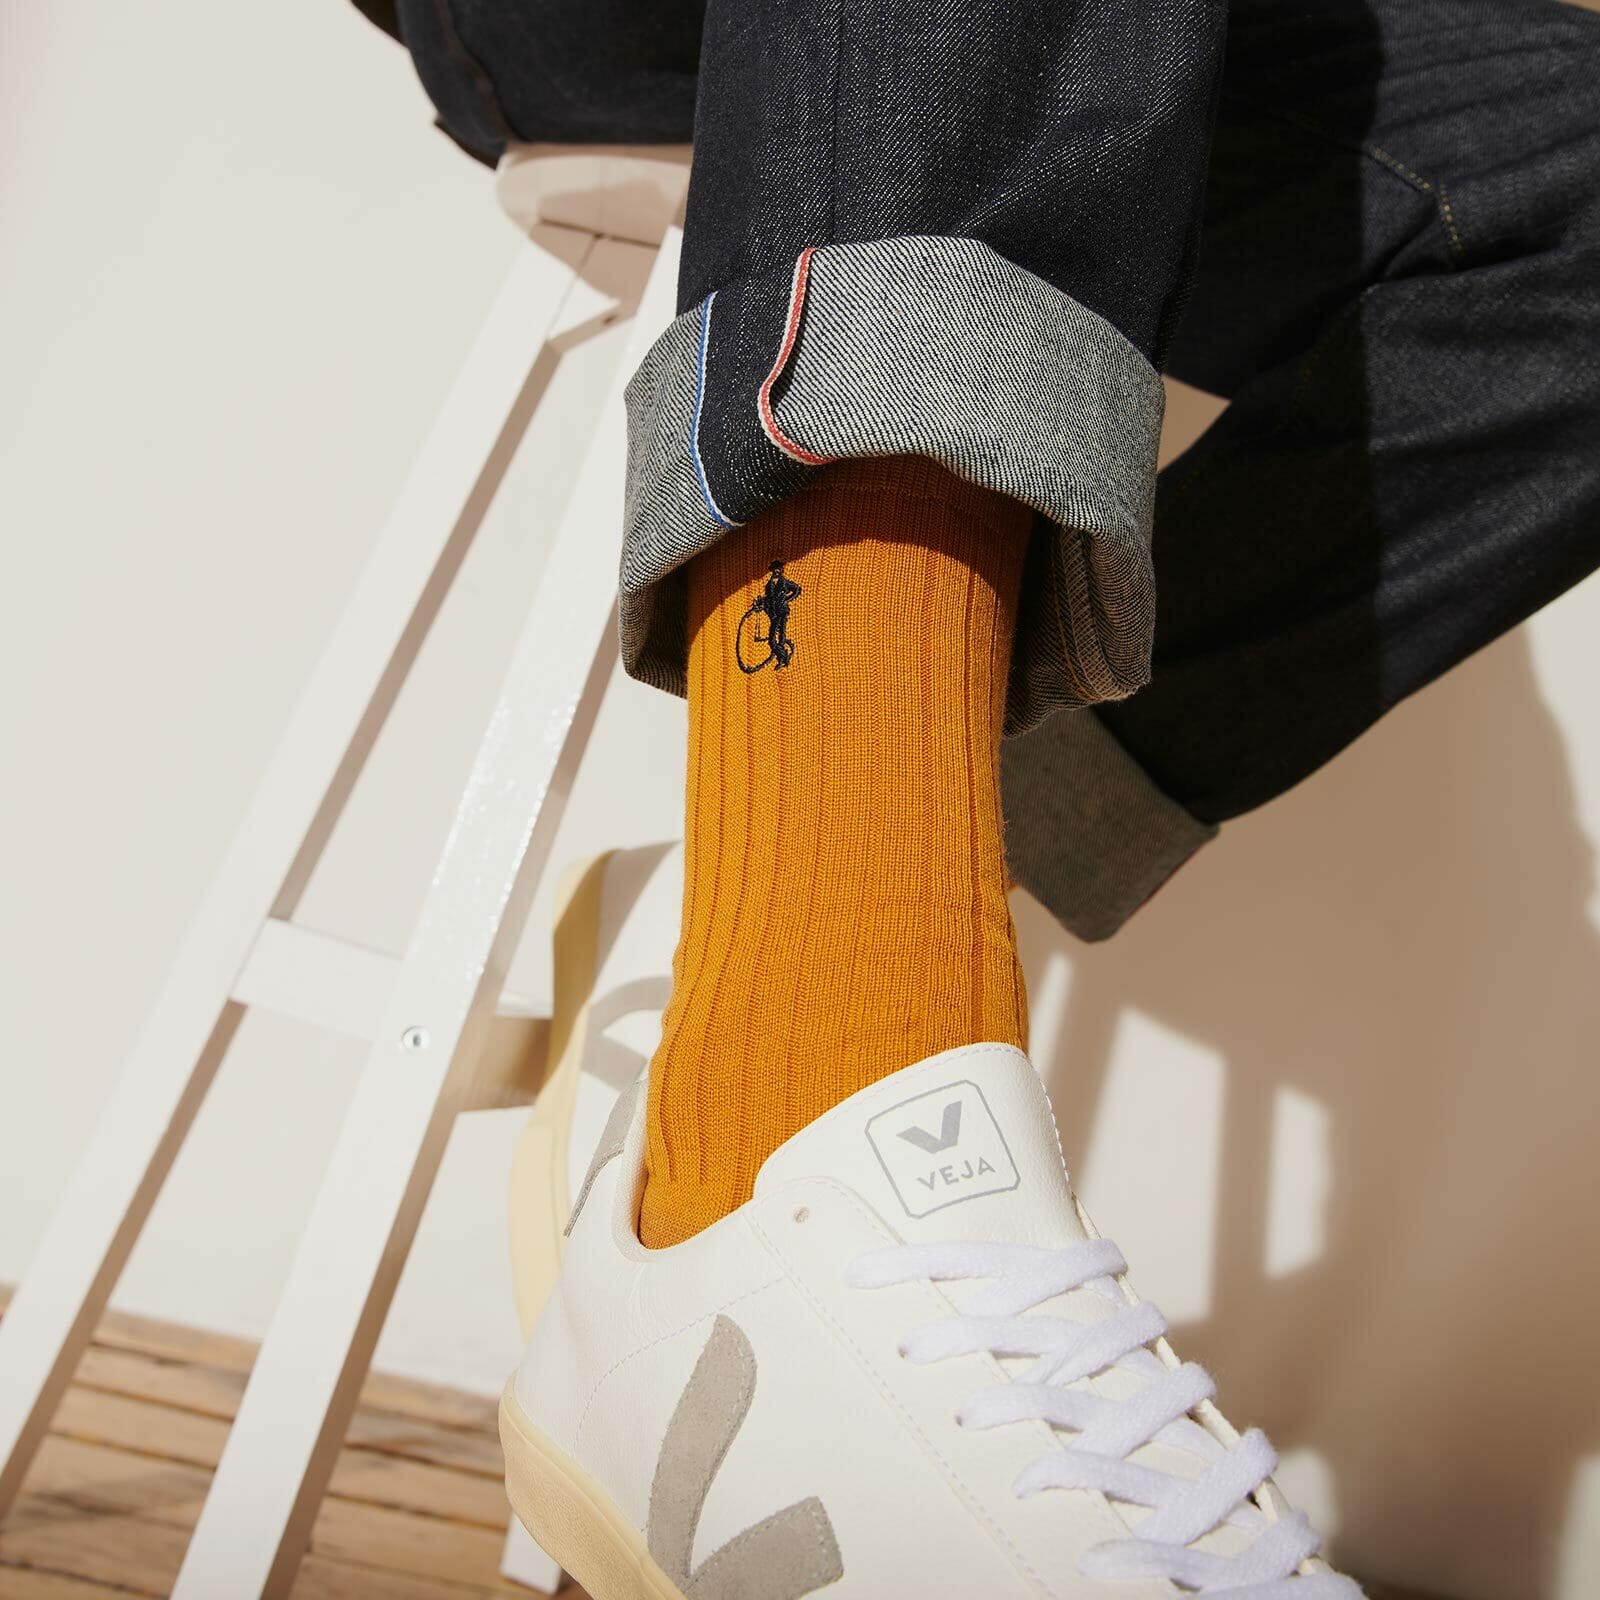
(961, 1146)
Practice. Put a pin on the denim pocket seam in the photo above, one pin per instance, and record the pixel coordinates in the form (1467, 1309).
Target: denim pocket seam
(1389, 162)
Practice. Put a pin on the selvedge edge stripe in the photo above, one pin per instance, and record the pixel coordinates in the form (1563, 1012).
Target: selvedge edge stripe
(699, 403)
(797, 298)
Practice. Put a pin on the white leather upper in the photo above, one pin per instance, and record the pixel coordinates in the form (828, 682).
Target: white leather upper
(920, 1506)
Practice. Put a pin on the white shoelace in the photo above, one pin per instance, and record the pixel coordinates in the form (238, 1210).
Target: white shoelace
(995, 1319)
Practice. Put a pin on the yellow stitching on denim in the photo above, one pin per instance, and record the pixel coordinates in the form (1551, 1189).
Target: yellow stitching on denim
(1450, 224)
(1377, 153)
(1440, 198)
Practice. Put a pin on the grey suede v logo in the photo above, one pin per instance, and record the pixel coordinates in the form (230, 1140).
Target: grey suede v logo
(789, 1554)
(949, 1132)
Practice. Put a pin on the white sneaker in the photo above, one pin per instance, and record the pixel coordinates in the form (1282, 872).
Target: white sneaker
(615, 927)
(909, 1367)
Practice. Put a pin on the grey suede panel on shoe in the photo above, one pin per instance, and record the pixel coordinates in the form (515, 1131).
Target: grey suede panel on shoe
(708, 1415)
(785, 1556)
(612, 1139)
(791, 1554)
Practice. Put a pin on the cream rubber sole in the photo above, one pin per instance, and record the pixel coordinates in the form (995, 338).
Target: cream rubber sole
(539, 1199)
(573, 1519)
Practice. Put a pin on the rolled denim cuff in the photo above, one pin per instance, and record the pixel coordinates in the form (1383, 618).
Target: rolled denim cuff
(1088, 831)
(926, 346)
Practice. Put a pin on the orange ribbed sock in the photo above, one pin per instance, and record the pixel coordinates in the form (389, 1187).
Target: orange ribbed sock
(845, 907)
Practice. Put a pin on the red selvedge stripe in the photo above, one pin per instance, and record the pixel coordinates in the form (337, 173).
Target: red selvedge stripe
(797, 299)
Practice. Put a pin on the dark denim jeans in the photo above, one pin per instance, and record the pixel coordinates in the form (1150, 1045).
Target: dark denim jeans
(974, 230)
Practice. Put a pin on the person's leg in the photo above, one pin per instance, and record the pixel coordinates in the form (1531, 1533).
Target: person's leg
(959, 233)
(556, 71)
(845, 913)
(1399, 290)
(956, 233)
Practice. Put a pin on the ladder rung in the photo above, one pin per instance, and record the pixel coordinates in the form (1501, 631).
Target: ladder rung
(344, 987)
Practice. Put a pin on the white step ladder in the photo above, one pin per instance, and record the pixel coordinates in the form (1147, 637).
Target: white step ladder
(443, 1037)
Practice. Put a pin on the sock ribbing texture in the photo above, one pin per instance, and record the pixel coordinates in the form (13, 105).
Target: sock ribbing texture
(845, 908)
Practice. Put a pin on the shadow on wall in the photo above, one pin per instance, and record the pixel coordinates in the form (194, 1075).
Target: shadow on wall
(1402, 943)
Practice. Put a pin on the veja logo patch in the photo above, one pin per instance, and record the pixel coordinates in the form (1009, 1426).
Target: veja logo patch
(942, 1147)
(949, 1132)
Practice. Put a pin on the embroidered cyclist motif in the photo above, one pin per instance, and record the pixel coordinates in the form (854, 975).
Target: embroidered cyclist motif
(778, 594)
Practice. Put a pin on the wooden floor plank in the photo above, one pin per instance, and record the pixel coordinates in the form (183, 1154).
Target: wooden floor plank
(103, 1478)
(376, 1536)
(75, 1481)
(408, 1397)
(21, 1583)
(122, 1551)
(105, 1515)
(121, 1330)
(422, 1489)
(176, 1342)
(415, 1511)
(393, 1475)
(320, 1579)
(405, 1396)
(187, 1385)
(140, 1427)
(420, 1440)
(214, 1392)
(432, 1402)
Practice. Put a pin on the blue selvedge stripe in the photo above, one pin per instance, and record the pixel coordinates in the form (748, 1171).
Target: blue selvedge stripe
(699, 401)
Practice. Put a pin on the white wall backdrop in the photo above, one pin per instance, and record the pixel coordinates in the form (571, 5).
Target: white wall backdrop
(1337, 1091)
